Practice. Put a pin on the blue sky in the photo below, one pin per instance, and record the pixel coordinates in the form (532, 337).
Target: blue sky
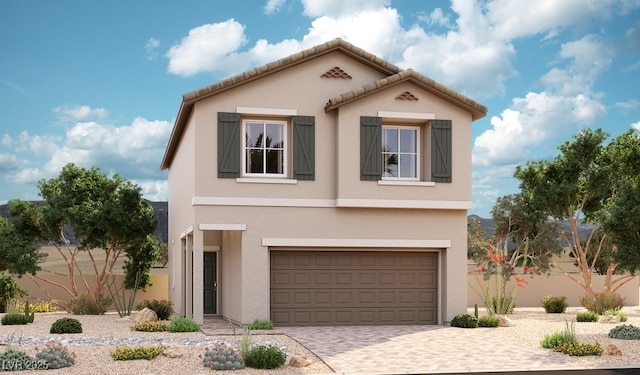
(100, 83)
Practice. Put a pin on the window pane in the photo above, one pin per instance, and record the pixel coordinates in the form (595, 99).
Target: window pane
(255, 133)
(390, 162)
(275, 136)
(408, 140)
(390, 140)
(254, 161)
(408, 166)
(275, 161)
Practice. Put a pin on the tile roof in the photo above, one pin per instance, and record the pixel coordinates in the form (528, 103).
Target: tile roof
(394, 76)
(477, 110)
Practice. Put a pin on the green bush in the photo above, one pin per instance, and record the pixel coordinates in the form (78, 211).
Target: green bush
(66, 325)
(15, 319)
(625, 332)
(261, 324)
(488, 321)
(126, 353)
(222, 357)
(464, 321)
(162, 308)
(555, 339)
(619, 313)
(159, 326)
(602, 302)
(181, 324)
(86, 304)
(16, 360)
(587, 316)
(265, 357)
(579, 348)
(9, 290)
(554, 305)
(56, 356)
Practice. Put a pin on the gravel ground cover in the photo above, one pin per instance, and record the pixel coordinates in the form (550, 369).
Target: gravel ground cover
(102, 333)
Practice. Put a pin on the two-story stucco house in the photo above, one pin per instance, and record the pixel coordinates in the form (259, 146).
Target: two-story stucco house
(329, 187)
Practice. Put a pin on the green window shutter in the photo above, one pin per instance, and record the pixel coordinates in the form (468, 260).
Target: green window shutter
(441, 150)
(370, 148)
(228, 145)
(304, 147)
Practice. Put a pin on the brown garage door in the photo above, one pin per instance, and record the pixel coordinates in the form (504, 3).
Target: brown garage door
(353, 288)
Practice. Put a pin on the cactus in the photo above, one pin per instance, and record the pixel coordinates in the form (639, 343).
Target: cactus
(14, 360)
(475, 310)
(222, 357)
(56, 355)
(27, 312)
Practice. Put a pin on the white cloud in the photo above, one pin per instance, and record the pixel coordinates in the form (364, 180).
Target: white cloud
(273, 6)
(636, 125)
(79, 113)
(151, 48)
(208, 48)
(338, 8)
(628, 104)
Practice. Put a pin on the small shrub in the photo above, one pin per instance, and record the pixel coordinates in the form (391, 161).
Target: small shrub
(16, 360)
(261, 324)
(488, 321)
(625, 332)
(602, 302)
(580, 348)
(126, 353)
(464, 321)
(56, 355)
(555, 339)
(38, 307)
(9, 290)
(222, 357)
(623, 316)
(86, 304)
(15, 319)
(587, 316)
(554, 305)
(66, 325)
(162, 308)
(265, 357)
(159, 326)
(181, 324)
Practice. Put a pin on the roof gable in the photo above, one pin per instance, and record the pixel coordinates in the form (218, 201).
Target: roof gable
(394, 75)
(477, 110)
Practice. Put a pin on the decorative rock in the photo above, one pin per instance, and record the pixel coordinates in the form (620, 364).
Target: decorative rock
(145, 315)
(613, 350)
(172, 351)
(611, 319)
(298, 360)
(505, 321)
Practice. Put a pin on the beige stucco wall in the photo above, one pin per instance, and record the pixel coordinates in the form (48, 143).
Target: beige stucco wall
(309, 209)
(559, 285)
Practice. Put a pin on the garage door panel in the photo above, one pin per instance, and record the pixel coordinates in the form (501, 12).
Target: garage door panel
(316, 288)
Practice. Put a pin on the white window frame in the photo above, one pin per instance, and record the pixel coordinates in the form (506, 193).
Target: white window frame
(418, 153)
(285, 155)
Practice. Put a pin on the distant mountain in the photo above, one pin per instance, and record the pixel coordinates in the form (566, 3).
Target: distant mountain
(487, 224)
(160, 210)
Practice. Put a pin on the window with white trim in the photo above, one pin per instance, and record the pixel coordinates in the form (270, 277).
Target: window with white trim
(400, 152)
(265, 148)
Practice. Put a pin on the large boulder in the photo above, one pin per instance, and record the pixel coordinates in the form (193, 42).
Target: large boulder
(145, 315)
(299, 360)
(610, 319)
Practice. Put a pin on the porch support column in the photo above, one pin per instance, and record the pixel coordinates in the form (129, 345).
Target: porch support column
(198, 277)
(188, 285)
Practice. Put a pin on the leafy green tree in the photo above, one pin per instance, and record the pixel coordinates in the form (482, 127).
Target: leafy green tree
(523, 244)
(105, 214)
(18, 253)
(591, 182)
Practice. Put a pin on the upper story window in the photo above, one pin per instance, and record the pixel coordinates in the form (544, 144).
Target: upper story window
(282, 148)
(413, 152)
(400, 152)
(265, 148)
